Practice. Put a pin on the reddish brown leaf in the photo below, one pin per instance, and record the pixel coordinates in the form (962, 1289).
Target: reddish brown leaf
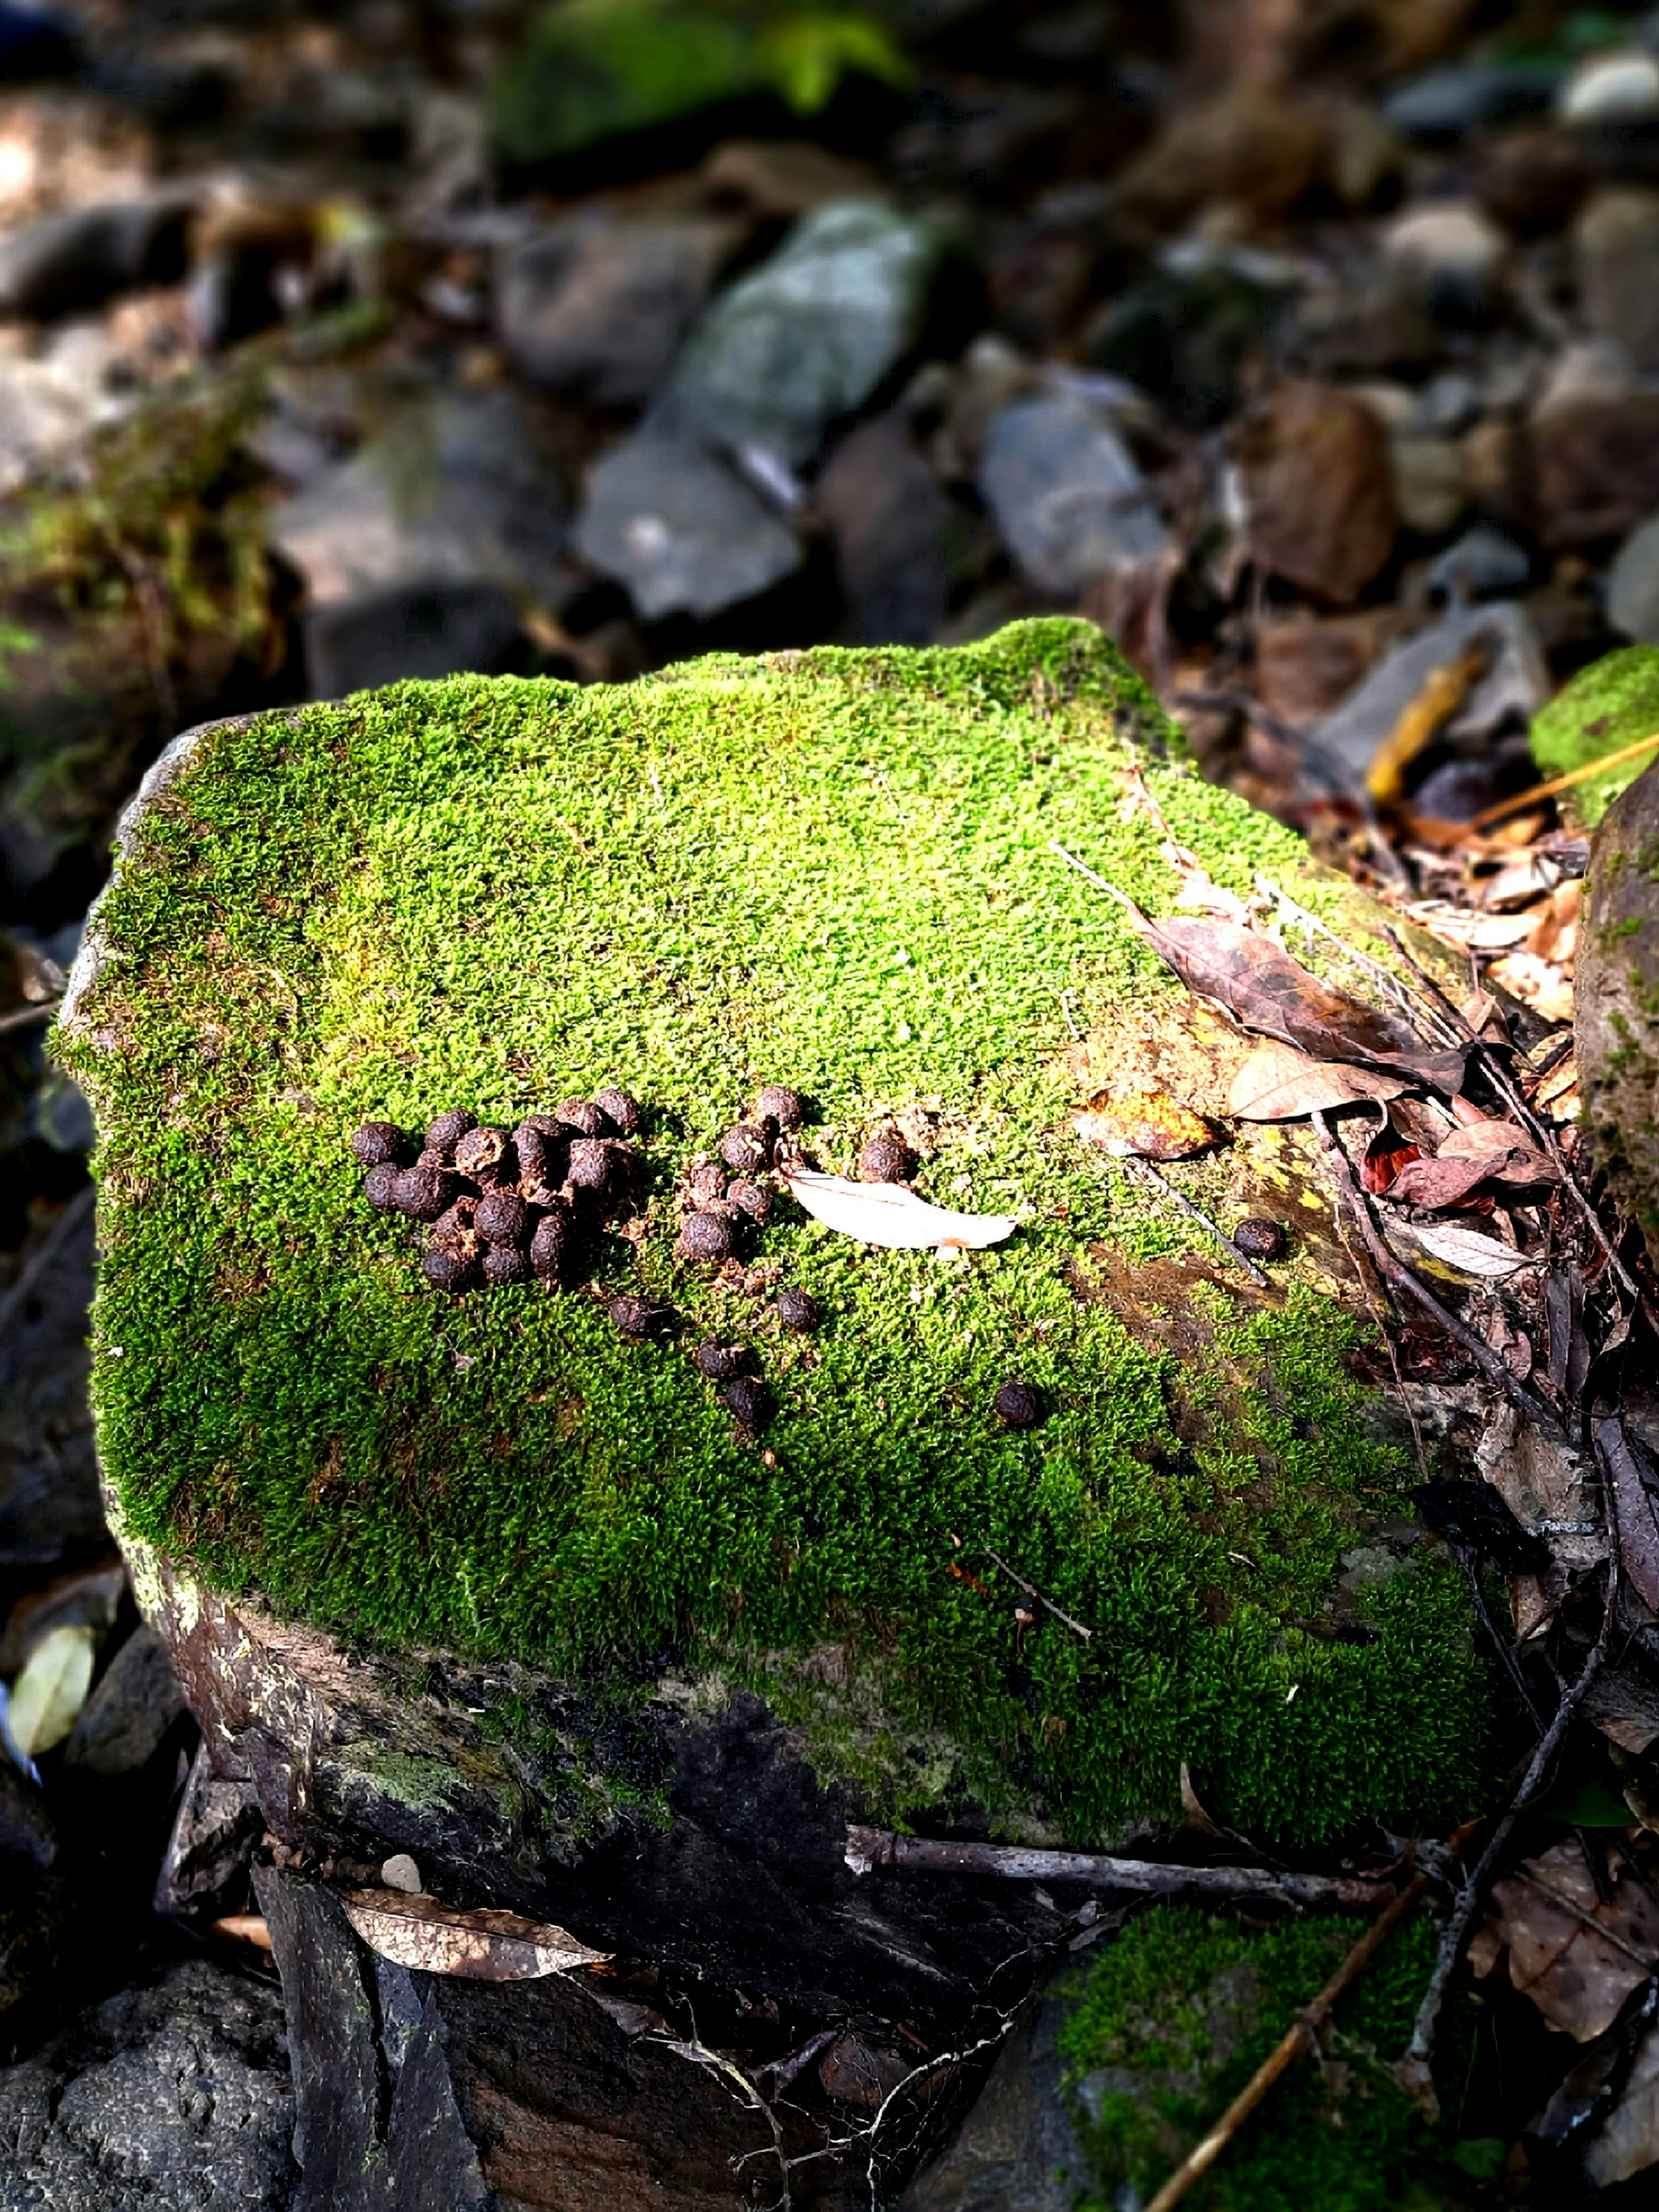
(1386, 1155)
(1264, 989)
(1439, 1182)
(1549, 1915)
(482, 1946)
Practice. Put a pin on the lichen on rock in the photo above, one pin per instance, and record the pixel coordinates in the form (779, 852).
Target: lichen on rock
(833, 870)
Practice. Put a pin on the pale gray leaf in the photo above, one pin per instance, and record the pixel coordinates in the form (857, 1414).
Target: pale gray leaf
(887, 1213)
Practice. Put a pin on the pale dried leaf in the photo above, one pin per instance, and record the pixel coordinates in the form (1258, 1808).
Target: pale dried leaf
(482, 1946)
(47, 1696)
(1278, 1083)
(1546, 1485)
(1627, 2140)
(1625, 1705)
(1464, 1252)
(1576, 1978)
(1474, 1140)
(1537, 983)
(887, 1213)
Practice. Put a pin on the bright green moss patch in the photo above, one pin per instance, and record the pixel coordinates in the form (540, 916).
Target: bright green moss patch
(1613, 703)
(832, 870)
(1176, 2014)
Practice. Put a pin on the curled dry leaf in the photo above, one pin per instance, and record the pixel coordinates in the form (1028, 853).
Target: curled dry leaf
(1634, 1516)
(47, 1696)
(1460, 1252)
(887, 1213)
(1149, 1123)
(484, 1946)
(1263, 988)
(1278, 1083)
(1550, 1918)
(1438, 1182)
(1546, 1485)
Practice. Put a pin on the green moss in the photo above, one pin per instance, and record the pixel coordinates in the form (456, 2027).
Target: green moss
(833, 869)
(1176, 2014)
(1613, 703)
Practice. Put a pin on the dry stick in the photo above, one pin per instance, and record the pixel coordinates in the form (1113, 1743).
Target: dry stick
(1397, 1273)
(1301, 2037)
(1031, 1590)
(1523, 800)
(27, 1016)
(874, 1847)
(1196, 1213)
(1414, 2068)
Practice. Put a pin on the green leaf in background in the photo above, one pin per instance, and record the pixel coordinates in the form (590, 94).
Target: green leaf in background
(47, 1696)
(805, 57)
(1611, 703)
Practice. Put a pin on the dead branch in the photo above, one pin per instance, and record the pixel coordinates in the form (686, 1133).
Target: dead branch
(1032, 1591)
(867, 1848)
(1301, 2036)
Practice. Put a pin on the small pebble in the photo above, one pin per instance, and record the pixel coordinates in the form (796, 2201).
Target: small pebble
(376, 1143)
(721, 1362)
(447, 1132)
(749, 1401)
(705, 1236)
(798, 1310)
(746, 1149)
(381, 1187)
(777, 1103)
(621, 1109)
(886, 1158)
(400, 1872)
(1258, 1238)
(1018, 1406)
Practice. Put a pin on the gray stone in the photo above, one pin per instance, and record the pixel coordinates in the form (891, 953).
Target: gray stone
(684, 531)
(417, 552)
(1515, 687)
(204, 1871)
(1482, 564)
(1633, 585)
(599, 307)
(1067, 498)
(69, 263)
(889, 520)
(805, 340)
(1016, 2148)
(1455, 255)
(1446, 105)
(1611, 89)
(135, 1702)
(173, 2096)
(28, 1841)
(1616, 247)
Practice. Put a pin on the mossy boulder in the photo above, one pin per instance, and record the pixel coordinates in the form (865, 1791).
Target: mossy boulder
(1616, 988)
(1612, 703)
(834, 870)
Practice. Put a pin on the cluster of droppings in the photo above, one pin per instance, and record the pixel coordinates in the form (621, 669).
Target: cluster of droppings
(507, 1205)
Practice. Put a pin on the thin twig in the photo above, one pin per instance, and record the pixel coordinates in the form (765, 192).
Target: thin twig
(1396, 1272)
(1414, 2069)
(1375, 969)
(1195, 1213)
(1301, 2037)
(1031, 1590)
(1523, 800)
(25, 1017)
(874, 1847)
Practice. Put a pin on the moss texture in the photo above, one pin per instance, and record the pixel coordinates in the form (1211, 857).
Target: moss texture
(1613, 703)
(1174, 2017)
(832, 870)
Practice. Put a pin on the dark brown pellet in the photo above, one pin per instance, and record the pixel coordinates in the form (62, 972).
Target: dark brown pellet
(1259, 1238)
(446, 1269)
(620, 1108)
(503, 1218)
(481, 1152)
(425, 1193)
(749, 1401)
(799, 1309)
(886, 1158)
(721, 1362)
(777, 1103)
(447, 1132)
(751, 1198)
(746, 1149)
(381, 1187)
(1018, 1406)
(705, 1236)
(552, 1244)
(505, 1263)
(581, 1114)
(377, 1142)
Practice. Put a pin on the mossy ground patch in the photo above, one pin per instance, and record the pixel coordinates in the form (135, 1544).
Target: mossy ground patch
(831, 870)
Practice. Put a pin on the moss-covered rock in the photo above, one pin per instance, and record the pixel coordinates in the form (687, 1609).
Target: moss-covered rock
(836, 871)
(1612, 703)
(1616, 988)
(1174, 2016)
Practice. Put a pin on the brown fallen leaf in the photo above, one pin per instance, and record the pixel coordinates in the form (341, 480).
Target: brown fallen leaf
(1627, 2140)
(1263, 988)
(1514, 1159)
(1438, 1182)
(1278, 1083)
(1575, 1956)
(1623, 1704)
(1633, 1511)
(1149, 1123)
(1387, 1153)
(482, 1946)
(1548, 1487)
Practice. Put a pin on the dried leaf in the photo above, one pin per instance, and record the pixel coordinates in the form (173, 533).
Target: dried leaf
(1632, 1506)
(1264, 989)
(47, 1696)
(484, 1946)
(1149, 1123)
(887, 1213)
(1514, 1159)
(1627, 2140)
(1465, 1252)
(1537, 983)
(1386, 1153)
(1576, 1978)
(1624, 1704)
(1278, 1083)
(1547, 1486)
(1438, 1182)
